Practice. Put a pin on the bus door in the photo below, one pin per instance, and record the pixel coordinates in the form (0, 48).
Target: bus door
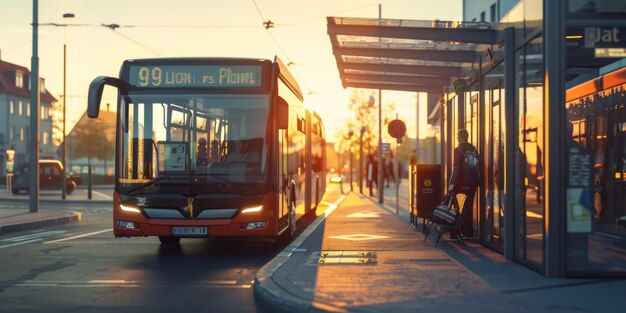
(282, 178)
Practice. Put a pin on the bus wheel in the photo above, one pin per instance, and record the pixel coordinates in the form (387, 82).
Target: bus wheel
(288, 235)
(168, 240)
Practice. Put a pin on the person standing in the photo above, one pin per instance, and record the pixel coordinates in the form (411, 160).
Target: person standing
(372, 173)
(465, 179)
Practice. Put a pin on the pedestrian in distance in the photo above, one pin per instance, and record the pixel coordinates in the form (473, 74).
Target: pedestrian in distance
(390, 172)
(372, 173)
(386, 174)
(465, 179)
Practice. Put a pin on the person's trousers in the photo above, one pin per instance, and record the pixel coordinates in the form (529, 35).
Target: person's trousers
(467, 212)
(372, 182)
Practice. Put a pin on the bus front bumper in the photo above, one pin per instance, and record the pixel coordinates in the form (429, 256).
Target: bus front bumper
(165, 227)
(136, 224)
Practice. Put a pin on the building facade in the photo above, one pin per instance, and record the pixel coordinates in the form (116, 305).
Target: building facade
(15, 115)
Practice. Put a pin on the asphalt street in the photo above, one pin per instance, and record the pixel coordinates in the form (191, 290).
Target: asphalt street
(81, 267)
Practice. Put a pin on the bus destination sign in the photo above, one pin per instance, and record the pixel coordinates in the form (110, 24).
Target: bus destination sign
(195, 76)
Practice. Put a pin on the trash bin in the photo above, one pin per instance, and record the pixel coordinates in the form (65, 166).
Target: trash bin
(426, 192)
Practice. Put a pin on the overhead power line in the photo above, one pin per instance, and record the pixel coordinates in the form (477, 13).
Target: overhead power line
(258, 11)
(189, 26)
(267, 24)
(136, 42)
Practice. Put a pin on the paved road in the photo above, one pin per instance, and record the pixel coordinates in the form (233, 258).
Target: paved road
(80, 267)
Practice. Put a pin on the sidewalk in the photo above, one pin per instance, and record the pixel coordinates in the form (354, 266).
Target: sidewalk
(19, 219)
(365, 258)
(101, 194)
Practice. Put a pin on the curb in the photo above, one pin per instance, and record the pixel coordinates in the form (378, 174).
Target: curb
(277, 299)
(59, 201)
(52, 221)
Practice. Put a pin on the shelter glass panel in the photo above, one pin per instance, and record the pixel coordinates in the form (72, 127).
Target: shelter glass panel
(492, 213)
(529, 155)
(595, 128)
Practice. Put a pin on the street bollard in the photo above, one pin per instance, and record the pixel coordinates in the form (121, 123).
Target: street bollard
(9, 185)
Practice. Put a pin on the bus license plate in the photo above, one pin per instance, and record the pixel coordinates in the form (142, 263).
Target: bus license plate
(189, 231)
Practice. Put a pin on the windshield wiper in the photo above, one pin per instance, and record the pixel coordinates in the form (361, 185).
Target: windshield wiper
(148, 183)
(243, 190)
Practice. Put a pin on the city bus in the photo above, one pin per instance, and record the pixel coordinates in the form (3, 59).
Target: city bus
(212, 147)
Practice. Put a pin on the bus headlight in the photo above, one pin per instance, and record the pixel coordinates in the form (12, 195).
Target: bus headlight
(252, 209)
(127, 208)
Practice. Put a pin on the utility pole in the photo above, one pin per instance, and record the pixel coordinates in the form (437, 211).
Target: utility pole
(417, 129)
(64, 148)
(361, 160)
(380, 134)
(34, 116)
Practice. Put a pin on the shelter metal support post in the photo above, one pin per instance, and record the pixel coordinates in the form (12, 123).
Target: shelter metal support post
(510, 142)
(554, 121)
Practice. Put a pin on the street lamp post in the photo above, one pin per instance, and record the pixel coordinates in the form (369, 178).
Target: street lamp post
(64, 148)
(34, 116)
(350, 134)
(361, 160)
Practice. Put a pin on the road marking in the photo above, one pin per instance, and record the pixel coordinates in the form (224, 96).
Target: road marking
(36, 285)
(102, 194)
(365, 214)
(38, 234)
(20, 243)
(79, 236)
(358, 237)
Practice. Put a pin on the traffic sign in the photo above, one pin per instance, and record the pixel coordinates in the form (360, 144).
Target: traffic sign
(386, 147)
(396, 129)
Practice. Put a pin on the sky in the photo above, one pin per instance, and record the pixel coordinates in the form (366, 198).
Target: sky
(203, 28)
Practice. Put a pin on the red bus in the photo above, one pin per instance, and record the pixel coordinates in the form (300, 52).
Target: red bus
(212, 147)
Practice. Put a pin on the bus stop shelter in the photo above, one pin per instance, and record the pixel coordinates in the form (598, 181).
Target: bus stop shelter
(407, 55)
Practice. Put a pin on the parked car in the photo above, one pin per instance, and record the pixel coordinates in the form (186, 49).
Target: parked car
(50, 172)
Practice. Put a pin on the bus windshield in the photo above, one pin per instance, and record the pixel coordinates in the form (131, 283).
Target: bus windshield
(193, 141)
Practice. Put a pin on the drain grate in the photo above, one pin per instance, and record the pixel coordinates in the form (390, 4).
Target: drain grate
(343, 258)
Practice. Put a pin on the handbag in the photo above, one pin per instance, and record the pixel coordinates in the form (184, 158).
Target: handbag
(446, 212)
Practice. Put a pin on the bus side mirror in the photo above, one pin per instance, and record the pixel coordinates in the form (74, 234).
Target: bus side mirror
(283, 114)
(95, 93)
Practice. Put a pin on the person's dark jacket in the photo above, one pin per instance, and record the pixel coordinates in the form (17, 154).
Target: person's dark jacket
(456, 178)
